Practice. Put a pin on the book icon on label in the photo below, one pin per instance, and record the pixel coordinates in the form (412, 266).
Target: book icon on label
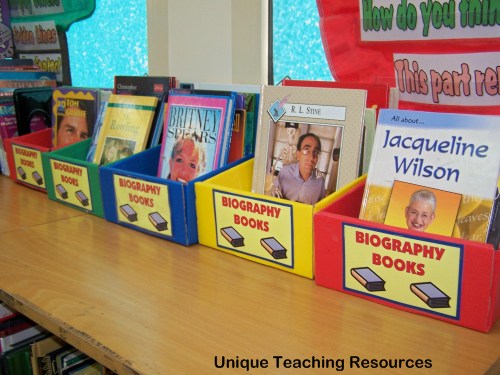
(63, 193)
(37, 177)
(158, 221)
(232, 236)
(273, 247)
(128, 212)
(82, 198)
(21, 173)
(369, 279)
(430, 294)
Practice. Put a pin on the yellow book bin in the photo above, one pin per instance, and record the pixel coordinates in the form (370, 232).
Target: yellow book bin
(267, 230)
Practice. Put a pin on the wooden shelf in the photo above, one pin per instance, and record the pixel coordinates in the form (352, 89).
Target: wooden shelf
(140, 304)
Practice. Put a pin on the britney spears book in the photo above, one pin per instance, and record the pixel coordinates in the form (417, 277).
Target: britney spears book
(455, 154)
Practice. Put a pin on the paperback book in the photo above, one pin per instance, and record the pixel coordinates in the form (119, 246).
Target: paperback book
(433, 172)
(158, 86)
(309, 141)
(196, 135)
(126, 126)
(74, 112)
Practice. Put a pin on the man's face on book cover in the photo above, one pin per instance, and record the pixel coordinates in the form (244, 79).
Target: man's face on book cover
(72, 129)
(308, 156)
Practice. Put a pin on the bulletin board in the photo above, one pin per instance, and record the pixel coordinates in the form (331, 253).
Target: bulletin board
(442, 55)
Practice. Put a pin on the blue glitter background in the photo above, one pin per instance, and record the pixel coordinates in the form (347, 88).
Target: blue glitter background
(297, 47)
(113, 41)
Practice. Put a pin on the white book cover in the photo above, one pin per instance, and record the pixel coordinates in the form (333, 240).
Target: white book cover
(450, 161)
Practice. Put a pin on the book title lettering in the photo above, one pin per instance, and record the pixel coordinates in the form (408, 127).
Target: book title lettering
(201, 123)
(404, 247)
(308, 110)
(252, 207)
(416, 166)
(124, 126)
(70, 107)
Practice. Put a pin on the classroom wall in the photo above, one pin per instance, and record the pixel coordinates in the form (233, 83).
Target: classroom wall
(217, 41)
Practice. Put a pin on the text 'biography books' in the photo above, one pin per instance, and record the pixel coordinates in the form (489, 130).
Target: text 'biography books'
(126, 126)
(197, 134)
(428, 169)
(309, 141)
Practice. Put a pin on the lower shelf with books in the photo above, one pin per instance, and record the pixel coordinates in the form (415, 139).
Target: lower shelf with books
(24, 157)
(73, 181)
(267, 230)
(450, 279)
(135, 197)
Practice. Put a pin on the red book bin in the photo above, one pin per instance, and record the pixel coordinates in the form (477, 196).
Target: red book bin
(450, 279)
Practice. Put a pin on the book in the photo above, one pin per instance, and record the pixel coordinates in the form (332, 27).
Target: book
(11, 336)
(104, 95)
(14, 79)
(158, 86)
(252, 96)
(196, 135)
(378, 94)
(40, 361)
(144, 85)
(6, 312)
(126, 126)
(441, 155)
(493, 236)
(87, 366)
(237, 145)
(308, 142)
(74, 112)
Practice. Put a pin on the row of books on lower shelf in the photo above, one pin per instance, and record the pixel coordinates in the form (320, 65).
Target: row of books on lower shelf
(28, 349)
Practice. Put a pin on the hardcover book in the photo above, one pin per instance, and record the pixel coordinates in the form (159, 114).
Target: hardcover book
(158, 86)
(126, 126)
(74, 112)
(378, 94)
(252, 96)
(309, 141)
(447, 165)
(196, 135)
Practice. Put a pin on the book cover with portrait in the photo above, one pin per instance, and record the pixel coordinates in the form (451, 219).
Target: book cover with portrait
(125, 129)
(454, 153)
(309, 141)
(74, 112)
(196, 135)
